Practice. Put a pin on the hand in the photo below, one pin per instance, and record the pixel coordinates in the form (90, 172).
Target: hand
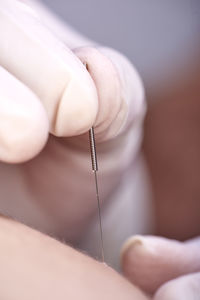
(45, 88)
(167, 269)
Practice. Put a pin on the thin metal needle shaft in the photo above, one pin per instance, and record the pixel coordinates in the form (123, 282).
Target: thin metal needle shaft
(99, 213)
(95, 169)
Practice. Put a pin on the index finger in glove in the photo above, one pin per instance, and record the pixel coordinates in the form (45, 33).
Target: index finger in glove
(37, 58)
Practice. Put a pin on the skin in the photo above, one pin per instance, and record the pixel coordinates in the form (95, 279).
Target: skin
(40, 267)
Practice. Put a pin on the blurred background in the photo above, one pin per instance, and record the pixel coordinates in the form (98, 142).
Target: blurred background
(156, 35)
(162, 40)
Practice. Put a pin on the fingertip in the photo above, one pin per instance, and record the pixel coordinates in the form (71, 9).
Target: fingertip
(150, 261)
(78, 107)
(132, 88)
(129, 243)
(144, 263)
(136, 246)
(112, 110)
(135, 255)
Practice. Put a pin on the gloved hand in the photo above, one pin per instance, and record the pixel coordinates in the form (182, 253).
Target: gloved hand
(48, 102)
(45, 88)
(166, 269)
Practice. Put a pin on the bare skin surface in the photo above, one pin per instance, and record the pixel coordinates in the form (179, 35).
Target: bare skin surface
(40, 267)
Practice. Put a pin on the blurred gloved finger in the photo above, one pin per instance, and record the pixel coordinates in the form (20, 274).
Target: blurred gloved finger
(119, 88)
(23, 121)
(151, 261)
(37, 58)
(185, 288)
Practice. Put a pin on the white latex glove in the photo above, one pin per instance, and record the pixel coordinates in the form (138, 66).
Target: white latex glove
(167, 269)
(45, 88)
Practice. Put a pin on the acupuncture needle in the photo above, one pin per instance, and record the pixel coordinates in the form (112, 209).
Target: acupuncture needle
(93, 154)
(95, 169)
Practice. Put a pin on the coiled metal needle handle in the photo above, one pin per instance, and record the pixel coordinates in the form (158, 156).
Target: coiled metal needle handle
(93, 149)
